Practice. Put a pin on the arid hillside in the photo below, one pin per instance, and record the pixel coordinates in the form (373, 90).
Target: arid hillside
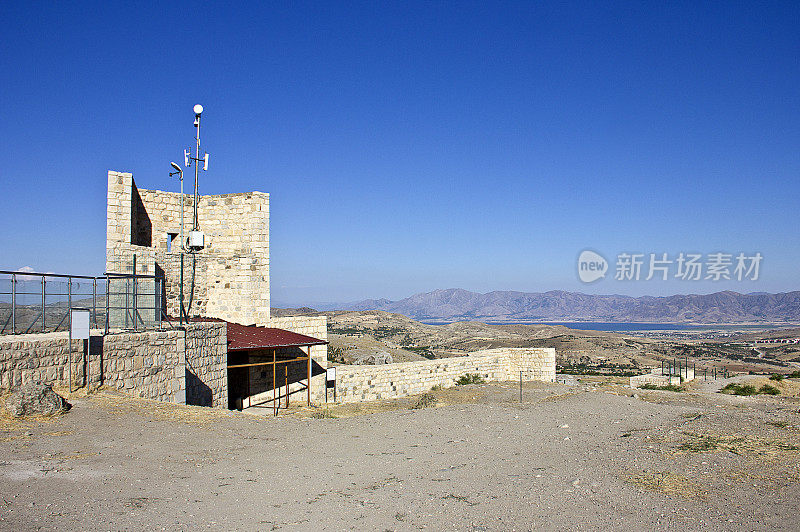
(355, 333)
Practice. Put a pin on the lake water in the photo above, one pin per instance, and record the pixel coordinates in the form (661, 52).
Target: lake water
(616, 327)
(621, 326)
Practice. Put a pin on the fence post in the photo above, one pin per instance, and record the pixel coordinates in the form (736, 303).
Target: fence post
(69, 294)
(108, 301)
(13, 303)
(43, 302)
(94, 301)
(134, 294)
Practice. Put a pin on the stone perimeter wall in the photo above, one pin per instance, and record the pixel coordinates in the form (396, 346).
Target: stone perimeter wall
(658, 379)
(369, 383)
(169, 365)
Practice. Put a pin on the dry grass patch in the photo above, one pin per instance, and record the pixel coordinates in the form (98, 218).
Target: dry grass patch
(425, 400)
(73, 456)
(118, 403)
(740, 445)
(666, 482)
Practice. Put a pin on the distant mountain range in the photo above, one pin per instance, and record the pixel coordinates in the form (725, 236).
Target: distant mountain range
(721, 307)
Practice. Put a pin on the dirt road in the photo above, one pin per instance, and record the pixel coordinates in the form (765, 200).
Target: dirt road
(580, 457)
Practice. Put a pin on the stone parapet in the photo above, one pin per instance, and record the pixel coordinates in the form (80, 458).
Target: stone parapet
(356, 383)
(175, 365)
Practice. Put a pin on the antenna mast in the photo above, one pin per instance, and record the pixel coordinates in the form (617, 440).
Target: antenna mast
(196, 237)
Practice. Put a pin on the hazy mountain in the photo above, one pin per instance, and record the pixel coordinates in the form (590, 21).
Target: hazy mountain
(721, 307)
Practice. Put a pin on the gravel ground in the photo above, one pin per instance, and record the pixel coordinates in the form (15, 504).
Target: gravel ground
(568, 457)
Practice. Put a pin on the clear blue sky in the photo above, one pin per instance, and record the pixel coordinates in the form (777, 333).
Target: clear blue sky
(412, 146)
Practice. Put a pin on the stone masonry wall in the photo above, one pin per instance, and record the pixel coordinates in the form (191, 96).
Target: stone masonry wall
(207, 364)
(232, 272)
(368, 383)
(143, 364)
(150, 364)
(533, 364)
(39, 358)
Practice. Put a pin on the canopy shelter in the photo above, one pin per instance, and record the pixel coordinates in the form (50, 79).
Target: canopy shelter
(254, 351)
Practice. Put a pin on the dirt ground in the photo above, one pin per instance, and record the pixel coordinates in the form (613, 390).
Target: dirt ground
(586, 456)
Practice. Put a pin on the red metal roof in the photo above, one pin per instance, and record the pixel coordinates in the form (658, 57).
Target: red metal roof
(245, 337)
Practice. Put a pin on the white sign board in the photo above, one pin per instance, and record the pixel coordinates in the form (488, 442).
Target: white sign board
(330, 374)
(79, 324)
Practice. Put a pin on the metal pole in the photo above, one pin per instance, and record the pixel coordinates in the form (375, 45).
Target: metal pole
(274, 367)
(135, 325)
(13, 303)
(108, 301)
(520, 386)
(183, 242)
(43, 301)
(286, 372)
(69, 350)
(157, 300)
(69, 294)
(308, 401)
(180, 297)
(94, 301)
(196, 169)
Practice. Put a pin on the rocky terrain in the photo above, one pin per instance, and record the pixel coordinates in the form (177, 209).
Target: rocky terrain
(354, 333)
(507, 306)
(590, 456)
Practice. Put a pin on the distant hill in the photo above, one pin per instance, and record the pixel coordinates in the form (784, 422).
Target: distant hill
(721, 307)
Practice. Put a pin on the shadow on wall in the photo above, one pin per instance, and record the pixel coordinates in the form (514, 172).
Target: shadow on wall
(197, 392)
(141, 226)
(253, 381)
(159, 273)
(96, 353)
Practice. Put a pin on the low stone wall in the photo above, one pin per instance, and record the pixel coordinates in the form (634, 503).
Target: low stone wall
(143, 364)
(655, 379)
(39, 358)
(369, 383)
(532, 364)
(660, 379)
(160, 365)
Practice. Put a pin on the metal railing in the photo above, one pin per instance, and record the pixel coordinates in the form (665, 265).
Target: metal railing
(33, 302)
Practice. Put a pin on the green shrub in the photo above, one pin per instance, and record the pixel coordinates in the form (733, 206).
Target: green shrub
(425, 400)
(749, 389)
(769, 390)
(794, 375)
(776, 377)
(323, 414)
(667, 387)
(436, 387)
(469, 378)
(739, 389)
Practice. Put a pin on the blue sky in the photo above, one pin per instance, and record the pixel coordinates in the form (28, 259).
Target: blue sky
(413, 146)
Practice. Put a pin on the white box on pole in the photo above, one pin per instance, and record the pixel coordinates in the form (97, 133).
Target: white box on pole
(79, 324)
